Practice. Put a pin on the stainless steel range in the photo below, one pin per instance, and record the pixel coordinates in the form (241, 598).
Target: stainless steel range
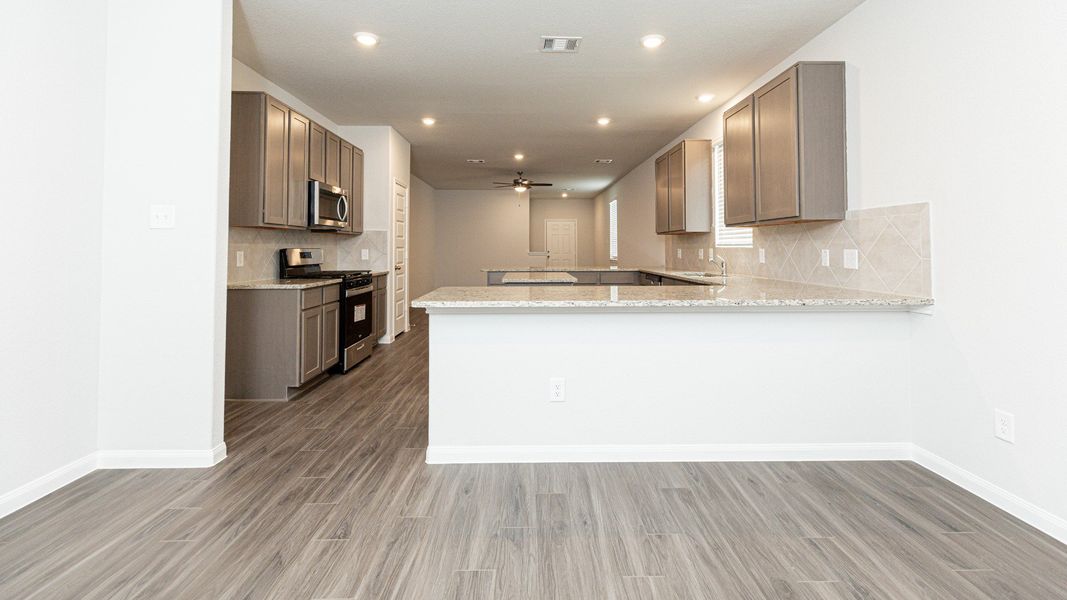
(357, 295)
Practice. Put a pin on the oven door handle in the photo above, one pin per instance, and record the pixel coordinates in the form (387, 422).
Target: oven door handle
(357, 291)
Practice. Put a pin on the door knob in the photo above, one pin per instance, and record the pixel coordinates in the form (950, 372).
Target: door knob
(398, 267)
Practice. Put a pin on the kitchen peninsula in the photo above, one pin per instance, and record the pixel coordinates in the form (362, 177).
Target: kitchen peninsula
(743, 368)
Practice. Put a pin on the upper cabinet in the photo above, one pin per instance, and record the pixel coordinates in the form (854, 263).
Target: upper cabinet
(784, 149)
(683, 188)
(274, 151)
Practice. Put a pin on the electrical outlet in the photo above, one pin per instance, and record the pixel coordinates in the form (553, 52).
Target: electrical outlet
(762, 256)
(364, 254)
(851, 258)
(679, 253)
(700, 253)
(161, 216)
(1004, 423)
(826, 258)
(240, 259)
(557, 389)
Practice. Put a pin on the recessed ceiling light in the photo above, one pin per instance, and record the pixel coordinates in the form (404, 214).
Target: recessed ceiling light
(603, 121)
(705, 98)
(564, 194)
(652, 41)
(428, 120)
(520, 156)
(366, 38)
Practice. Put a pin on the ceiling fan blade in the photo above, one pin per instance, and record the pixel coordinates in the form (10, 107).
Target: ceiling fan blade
(502, 183)
(538, 184)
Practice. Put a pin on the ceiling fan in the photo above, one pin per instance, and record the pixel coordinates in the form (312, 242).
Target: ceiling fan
(519, 184)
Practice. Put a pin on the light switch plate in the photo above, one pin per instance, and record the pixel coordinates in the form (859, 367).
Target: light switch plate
(762, 256)
(851, 258)
(161, 216)
(825, 257)
(700, 253)
(240, 259)
(679, 253)
(364, 254)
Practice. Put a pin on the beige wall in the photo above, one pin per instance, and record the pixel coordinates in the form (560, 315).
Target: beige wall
(638, 243)
(579, 209)
(477, 229)
(422, 237)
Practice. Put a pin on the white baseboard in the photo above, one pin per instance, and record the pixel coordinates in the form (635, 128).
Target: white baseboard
(46, 484)
(160, 459)
(1024, 510)
(668, 453)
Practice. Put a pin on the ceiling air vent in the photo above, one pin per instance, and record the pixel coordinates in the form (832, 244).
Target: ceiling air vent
(604, 161)
(560, 43)
(476, 161)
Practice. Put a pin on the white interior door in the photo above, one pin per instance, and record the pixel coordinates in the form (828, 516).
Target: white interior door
(561, 242)
(400, 257)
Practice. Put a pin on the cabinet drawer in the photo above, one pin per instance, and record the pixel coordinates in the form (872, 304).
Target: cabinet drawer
(331, 293)
(623, 278)
(311, 298)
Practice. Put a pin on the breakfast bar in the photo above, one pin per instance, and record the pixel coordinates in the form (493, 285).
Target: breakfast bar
(741, 369)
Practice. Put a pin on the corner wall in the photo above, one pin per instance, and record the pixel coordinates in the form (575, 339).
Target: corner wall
(52, 157)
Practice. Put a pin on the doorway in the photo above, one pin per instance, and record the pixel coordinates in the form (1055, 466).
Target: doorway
(400, 257)
(561, 243)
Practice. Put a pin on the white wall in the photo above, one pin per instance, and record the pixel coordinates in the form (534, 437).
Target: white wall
(245, 79)
(648, 386)
(476, 229)
(930, 97)
(422, 237)
(52, 110)
(166, 141)
(639, 246)
(579, 209)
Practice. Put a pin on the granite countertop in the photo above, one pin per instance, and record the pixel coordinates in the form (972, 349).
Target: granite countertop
(281, 284)
(519, 269)
(739, 293)
(690, 276)
(520, 277)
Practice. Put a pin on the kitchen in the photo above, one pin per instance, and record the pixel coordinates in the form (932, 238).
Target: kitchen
(535, 300)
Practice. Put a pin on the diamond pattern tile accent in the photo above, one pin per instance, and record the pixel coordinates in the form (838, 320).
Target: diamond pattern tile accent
(893, 244)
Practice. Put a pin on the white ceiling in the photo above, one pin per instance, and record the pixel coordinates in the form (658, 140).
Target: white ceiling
(475, 66)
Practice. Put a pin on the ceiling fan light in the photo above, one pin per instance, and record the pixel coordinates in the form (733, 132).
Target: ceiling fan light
(520, 188)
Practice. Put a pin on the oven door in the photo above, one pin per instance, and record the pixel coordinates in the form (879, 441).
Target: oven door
(357, 325)
(327, 206)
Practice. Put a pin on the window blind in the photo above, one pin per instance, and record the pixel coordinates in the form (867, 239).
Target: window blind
(729, 237)
(613, 229)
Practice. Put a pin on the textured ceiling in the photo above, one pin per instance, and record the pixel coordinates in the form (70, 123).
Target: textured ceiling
(476, 68)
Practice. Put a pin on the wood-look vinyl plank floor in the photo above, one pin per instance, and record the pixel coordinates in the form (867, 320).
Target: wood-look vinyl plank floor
(329, 497)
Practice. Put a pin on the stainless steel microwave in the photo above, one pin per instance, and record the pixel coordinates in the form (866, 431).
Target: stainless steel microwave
(327, 206)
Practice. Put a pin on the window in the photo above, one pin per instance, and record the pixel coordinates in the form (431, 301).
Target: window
(613, 229)
(729, 237)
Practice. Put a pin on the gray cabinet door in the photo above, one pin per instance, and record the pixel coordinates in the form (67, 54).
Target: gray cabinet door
(317, 153)
(275, 171)
(331, 334)
(333, 159)
(355, 195)
(777, 185)
(346, 167)
(310, 343)
(739, 163)
(676, 183)
(662, 196)
(297, 193)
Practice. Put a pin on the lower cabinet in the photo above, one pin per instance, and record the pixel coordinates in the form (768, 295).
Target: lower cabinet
(279, 339)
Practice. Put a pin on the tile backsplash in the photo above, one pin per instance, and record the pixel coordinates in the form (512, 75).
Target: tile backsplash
(260, 247)
(893, 245)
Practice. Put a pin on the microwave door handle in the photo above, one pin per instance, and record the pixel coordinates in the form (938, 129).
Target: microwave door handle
(342, 208)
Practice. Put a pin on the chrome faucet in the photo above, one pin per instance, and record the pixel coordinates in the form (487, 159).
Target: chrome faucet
(720, 262)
